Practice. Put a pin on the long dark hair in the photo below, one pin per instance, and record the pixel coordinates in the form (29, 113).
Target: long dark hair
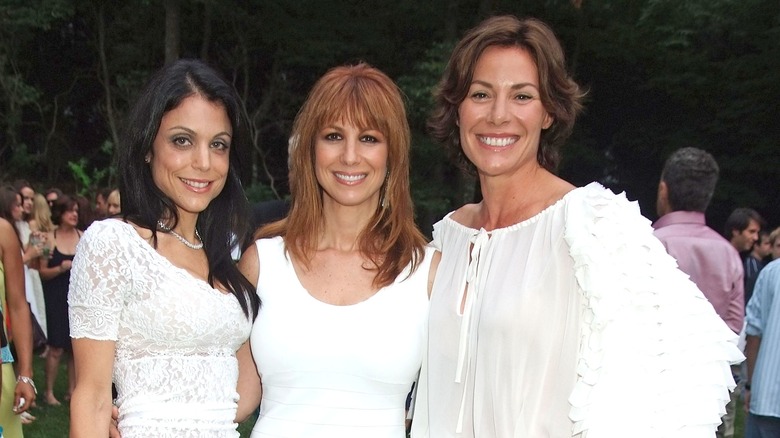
(225, 220)
(8, 196)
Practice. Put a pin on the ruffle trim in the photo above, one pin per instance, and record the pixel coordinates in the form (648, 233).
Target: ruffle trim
(654, 356)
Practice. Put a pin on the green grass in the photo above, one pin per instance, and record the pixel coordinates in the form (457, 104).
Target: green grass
(53, 421)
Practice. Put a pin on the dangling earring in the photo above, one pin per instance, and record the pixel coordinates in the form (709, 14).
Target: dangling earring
(383, 199)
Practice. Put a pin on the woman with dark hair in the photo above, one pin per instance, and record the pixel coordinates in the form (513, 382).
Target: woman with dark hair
(555, 311)
(343, 279)
(18, 391)
(156, 299)
(55, 276)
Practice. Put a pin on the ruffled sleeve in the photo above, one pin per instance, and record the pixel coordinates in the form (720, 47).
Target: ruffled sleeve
(654, 356)
(100, 280)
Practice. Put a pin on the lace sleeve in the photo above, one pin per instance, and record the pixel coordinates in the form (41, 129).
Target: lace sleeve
(100, 279)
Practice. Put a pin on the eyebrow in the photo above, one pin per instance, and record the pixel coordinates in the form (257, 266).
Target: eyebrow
(514, 86)
(184, 128)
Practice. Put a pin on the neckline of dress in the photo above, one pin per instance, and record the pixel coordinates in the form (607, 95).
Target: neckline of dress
(316, 300)
(523, 223)
(131, 229)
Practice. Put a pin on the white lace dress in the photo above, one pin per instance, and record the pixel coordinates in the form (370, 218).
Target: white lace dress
(175, 368)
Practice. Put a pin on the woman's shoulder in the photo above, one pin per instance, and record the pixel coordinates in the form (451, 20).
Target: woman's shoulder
(7, 233)
(467, 215)
(109, 225)
(267, 243)
(114, 232)
(595, 204)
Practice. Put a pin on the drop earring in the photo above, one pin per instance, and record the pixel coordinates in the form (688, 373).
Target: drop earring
(383, 199)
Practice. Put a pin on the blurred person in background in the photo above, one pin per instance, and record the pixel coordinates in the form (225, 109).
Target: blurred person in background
(52, 195)
(16, 324)
(774, 243)
(40, 226)
(113, 203)
(101, 203)
(55, 274)
(762, 380)
(86, 213)
(27, 193)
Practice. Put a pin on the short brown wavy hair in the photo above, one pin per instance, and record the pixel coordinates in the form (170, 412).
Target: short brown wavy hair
(560, 95)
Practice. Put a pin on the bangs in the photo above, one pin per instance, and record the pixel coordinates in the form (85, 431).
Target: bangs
(360, 102)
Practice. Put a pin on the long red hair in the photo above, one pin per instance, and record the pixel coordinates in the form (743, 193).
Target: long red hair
(366, 97)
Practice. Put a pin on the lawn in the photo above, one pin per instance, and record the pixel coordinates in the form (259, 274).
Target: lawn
(52, 421)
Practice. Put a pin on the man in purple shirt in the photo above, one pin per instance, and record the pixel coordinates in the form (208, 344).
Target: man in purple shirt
(687, 184)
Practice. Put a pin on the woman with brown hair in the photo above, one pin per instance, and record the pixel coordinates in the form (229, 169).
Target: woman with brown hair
(343, 279)
(555, 311)
(55, 275)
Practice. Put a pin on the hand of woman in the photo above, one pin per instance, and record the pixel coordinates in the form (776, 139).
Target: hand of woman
(113, 428)
(31, 252)
(42, 243)
(24, 394)
(66, 265)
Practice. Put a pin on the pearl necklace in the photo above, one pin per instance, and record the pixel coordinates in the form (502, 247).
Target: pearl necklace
(181, 238)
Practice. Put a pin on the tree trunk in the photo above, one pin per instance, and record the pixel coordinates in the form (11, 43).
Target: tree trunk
(172, 21)
(206, 42)
(105, 78)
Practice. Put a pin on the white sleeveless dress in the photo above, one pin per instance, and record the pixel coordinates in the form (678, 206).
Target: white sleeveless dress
(335, 371)
(176, 337)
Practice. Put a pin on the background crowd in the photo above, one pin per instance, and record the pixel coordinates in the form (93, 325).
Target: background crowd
(47, 224)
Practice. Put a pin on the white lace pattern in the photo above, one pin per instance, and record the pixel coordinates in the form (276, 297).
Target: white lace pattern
(176, 337)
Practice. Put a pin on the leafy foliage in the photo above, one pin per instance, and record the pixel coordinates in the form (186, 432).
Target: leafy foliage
(661, 74)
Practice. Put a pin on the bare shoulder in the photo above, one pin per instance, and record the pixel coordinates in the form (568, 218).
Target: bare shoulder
(7, 235)
(558, 188)
(6, 226)
(249, 264)
(468, 215)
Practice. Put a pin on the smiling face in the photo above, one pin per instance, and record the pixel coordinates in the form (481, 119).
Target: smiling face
(502, 116)
(190, 154)
(350, 164)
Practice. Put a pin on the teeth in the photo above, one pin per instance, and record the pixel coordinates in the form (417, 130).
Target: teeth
(197, 185)
(497, 142)
(350, 178)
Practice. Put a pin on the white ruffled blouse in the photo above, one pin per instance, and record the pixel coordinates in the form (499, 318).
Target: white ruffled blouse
(574, 323)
